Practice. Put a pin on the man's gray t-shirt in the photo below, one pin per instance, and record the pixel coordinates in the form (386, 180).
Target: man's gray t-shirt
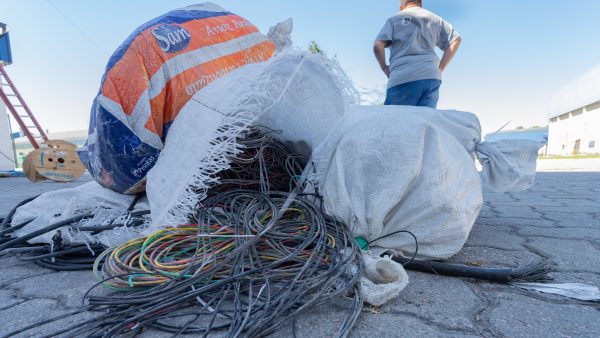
(412, 36)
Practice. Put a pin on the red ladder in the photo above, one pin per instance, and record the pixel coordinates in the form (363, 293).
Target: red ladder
(20, 111)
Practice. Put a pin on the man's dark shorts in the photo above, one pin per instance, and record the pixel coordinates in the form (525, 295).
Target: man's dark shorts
(423, 93)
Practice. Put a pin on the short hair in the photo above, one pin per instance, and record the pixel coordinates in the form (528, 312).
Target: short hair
(406, 2)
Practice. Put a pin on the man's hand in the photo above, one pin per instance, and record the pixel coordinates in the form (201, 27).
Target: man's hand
(386, 70)
(449, 54)
(379, 50)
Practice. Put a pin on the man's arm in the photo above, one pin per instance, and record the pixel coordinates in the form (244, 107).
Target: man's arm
(449, 53)
(379, 50)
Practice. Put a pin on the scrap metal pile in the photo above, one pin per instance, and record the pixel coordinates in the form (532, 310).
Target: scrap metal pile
(238, 234)
(253, 257)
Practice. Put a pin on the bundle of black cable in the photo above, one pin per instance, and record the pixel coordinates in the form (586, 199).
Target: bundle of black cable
(251, 260)
(254, 263)
(265, 164)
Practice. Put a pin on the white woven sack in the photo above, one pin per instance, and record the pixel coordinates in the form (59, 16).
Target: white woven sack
(386, 169)
(286, 91)
(90, 198)
(382, 280)
(508, 165)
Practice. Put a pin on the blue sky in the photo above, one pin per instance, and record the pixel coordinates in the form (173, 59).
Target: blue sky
(515, 54)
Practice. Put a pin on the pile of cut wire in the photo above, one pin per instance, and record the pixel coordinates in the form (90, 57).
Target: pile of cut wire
(264, 165)
(249, 264)
(60, 256)
(251, 260)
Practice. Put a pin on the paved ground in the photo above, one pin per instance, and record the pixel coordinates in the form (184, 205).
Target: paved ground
(579, 165)
(557, 221)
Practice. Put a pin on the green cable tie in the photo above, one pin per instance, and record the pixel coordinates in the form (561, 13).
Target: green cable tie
(362, 243)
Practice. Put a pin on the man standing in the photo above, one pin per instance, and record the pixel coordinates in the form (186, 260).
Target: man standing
(415, 70)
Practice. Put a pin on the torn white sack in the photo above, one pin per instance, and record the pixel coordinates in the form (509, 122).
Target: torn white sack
(570, 290)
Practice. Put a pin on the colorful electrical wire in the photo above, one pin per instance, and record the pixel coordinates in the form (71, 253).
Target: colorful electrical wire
(248, 264)
(251, 259)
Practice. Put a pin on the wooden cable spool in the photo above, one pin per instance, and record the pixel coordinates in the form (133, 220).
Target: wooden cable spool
(56, 161)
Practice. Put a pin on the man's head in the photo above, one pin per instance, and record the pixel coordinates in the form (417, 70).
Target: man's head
(409, 3)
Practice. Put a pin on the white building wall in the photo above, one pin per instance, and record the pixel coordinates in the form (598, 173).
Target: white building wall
(574, 126)
(579, 128)
(6, 147)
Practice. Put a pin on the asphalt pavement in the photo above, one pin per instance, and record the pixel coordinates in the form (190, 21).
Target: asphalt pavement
(557, 222)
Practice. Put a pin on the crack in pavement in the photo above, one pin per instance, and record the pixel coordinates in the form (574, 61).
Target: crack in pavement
(591, 242)
(545, 258)
(5, 284)
(440, 326)
(14, 304)
(492, 247)
(479, 317)
(61, 300)
(589, 272)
